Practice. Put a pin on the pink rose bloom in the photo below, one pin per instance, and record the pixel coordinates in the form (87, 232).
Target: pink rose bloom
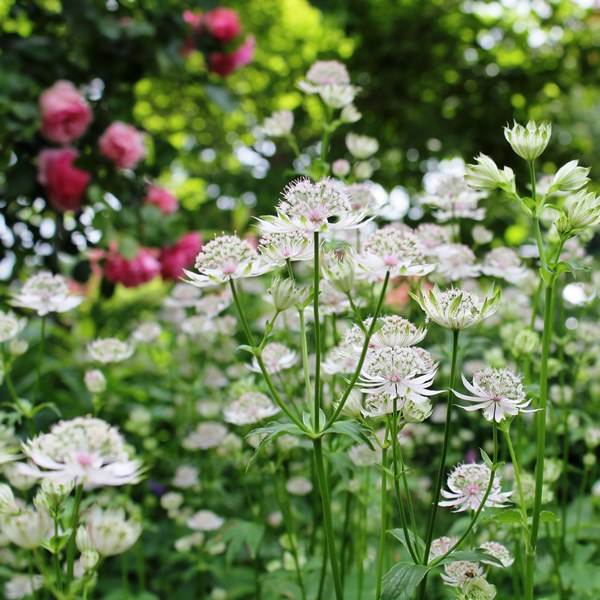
(174, 259)
(65, 113)
(162, 198)
(192, 18)
(225, 64)
(131, 273)
(123, 144)
(223, 24)
(64, 183)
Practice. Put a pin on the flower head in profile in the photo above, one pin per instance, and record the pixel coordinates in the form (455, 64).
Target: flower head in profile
(485, 175)
(393, 331)
(109, 350)
(504, 263)
(277, 248)
(28, 528)
(455, 262)
(205, 520)
(279, 124)
(10, 326)
(467, 485)
(46, 293)
(361, 146)
(224, 258)
(498, 392)
(85, 450)
(276, 358)
(250, 408)
(581, 212)
(441, 546)
(394, 250)
(455, 308)
(109, 532)
(529, 141)
(569, 177)
(499, 552)
(329, 79)
(313, 207)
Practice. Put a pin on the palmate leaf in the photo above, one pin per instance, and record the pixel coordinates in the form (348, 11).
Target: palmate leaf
(351, 429)
(402, 580)
(242, 534)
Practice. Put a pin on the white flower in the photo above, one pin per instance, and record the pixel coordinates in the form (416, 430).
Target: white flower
(110, 532)
(10, 325)
(485, 175)
(313, 207)
(362, 196)
(331, 300)
(225, 258)
(431, 236)
(250, 408)
(298, 486)
(85, 450)
(207, 435)
(350, 114)
(581, 212)
(341, 167)
(187, 542)
(331, 81)
(284, 293)
(504, 263)
(279, 124)
(361, 146)
(482, 235)
(205, 520)
(8, 505)
(569, 177)
(353, 404)
(498, 392)
(459, 572)
(277, 248)
(109, 350)
(146, 333)
(530, 141)
(455, 261)
(9, 451)
(211, 305)
(28, 528)
(22, 586)
(95, 382)
(185, 477)
(394, 250)
(182, 296)
(338, 96)
(340, 359)
(467, 486)
(441, 546)
(46, 293)
(276, 358)
(455, 308)
(362, 456)
(392, 331)
(497, 551)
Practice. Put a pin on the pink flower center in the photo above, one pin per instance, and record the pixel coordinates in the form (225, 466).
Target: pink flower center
(84, 459)
(472, 489)
(314, 216)
(229, 269)
(390, 261)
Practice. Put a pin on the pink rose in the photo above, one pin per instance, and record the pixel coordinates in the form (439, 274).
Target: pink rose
(193, 18)
(123, 144)
(64, 183)
(225, 64)
(223, 24)
(65, 113)
(162, 198)
(131, 273)
(174, 259)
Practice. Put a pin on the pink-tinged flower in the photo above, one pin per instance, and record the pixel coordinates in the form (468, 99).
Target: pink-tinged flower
(276, 358)
(459, 572)
(162, 198)
(46, 293)
(134, 272)
(192, 18)
(468, 484)
(223, 24)
(498, 392)
(504, 263)
(174, 259)
(225, 64)
(64, 183)
(65, 114)
(250, 408)
(454, 262)
(123, 144)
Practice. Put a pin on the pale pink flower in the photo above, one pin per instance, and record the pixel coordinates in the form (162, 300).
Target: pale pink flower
(123, 144)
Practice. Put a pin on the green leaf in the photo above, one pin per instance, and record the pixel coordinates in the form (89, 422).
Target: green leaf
(128, 247)
(272, 432)
(547, 516)
(57, 543)
(415, 540)
(351, 429)
(486, 459)
(242, 534)
(471, 556)
(402, 580)
(511, 515)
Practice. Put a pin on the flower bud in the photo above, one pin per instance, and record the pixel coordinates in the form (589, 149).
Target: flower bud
(589, 460)
(485, 175)
(350, 114)
(8, 506)
(581, 212)
(89, 559)
(340, 167)
(526, 342)
(530, 141)
(363, 170)
(416, 412)
(95, 382)
(53, 493)
(284, 293)
(18, 347)
(569, 177)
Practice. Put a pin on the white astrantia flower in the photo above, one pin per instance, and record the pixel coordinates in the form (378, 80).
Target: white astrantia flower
(85, 450)
(361, 146)
(225, 258)
(182, 296)
(95, 382)
(362, 197)
(109, 350)
(22, 586)
(110, 532)
(213, 304)
(363, 456)
(313, 207)
(277, 248)
(477, 588)
(331, 300)
(283, 293)
(276, 358)
(10, 326)
(185, 477)
(498, 392)
(340, 359)
(455, 308)
(207, 435)
(458, 572)
(529, 141)
(455, 262)
(394, 250)
(581, 212)
(205, 520)
(467, 485)
(569, 177)
(392, 331)
(353, 404)
(338, 96)
(46, 293)
(250, 408)
(331, 81)
(28, 528)
(350, 114)
(279, 124)
(298, 486)
(441, 546)
(8, 504)
(499, 552)
(504, 263)
(482, 235)
(404, 372)
(431, 236)
(485, 175)
(146, 333)
(340, 271)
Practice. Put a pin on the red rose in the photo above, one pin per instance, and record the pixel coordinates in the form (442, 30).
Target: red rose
(64, 183)
(134, 272)
(162, 198)
(65, 113)
(123, 144)
(174, 259)
(223, 24)
(226, 63)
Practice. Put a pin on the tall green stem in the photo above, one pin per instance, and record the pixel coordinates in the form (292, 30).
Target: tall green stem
(38, 369)
(328, 518)
(442, 466)
(383, 521)
(317, 393)
(74, 525)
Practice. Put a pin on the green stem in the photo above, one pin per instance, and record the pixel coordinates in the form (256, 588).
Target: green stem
(38, 369)
(328, 518)
(517, 468)
(305, 356)
(317, 394)
(383, 522)
(74, 525)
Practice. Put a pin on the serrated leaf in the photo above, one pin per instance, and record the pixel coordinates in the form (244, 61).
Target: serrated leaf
(402, 580)
(511, 515)
(351, 429)
(242, 534)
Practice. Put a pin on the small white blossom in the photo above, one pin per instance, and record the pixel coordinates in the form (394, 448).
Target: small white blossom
(110, 532)
(250, 408)
(185, 477)
(455, 262)
(350, 114)
(10, 326)
(276, 358)
(393, 331)
(529, 141)
(8, 504)
(284, 293)
(95, 382)
(46, 293)
(22, 586)
(361, 146)
(497, 551)
(363, 456)
(279, 124)
(485, 175)
(569, 177)
(277, 248)
(459, 572)
(504, 263)
(109, 350)
(441, 546)
(205, 520)
(298, 486)
(207, 435)
(581, 212)
(28, 528)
